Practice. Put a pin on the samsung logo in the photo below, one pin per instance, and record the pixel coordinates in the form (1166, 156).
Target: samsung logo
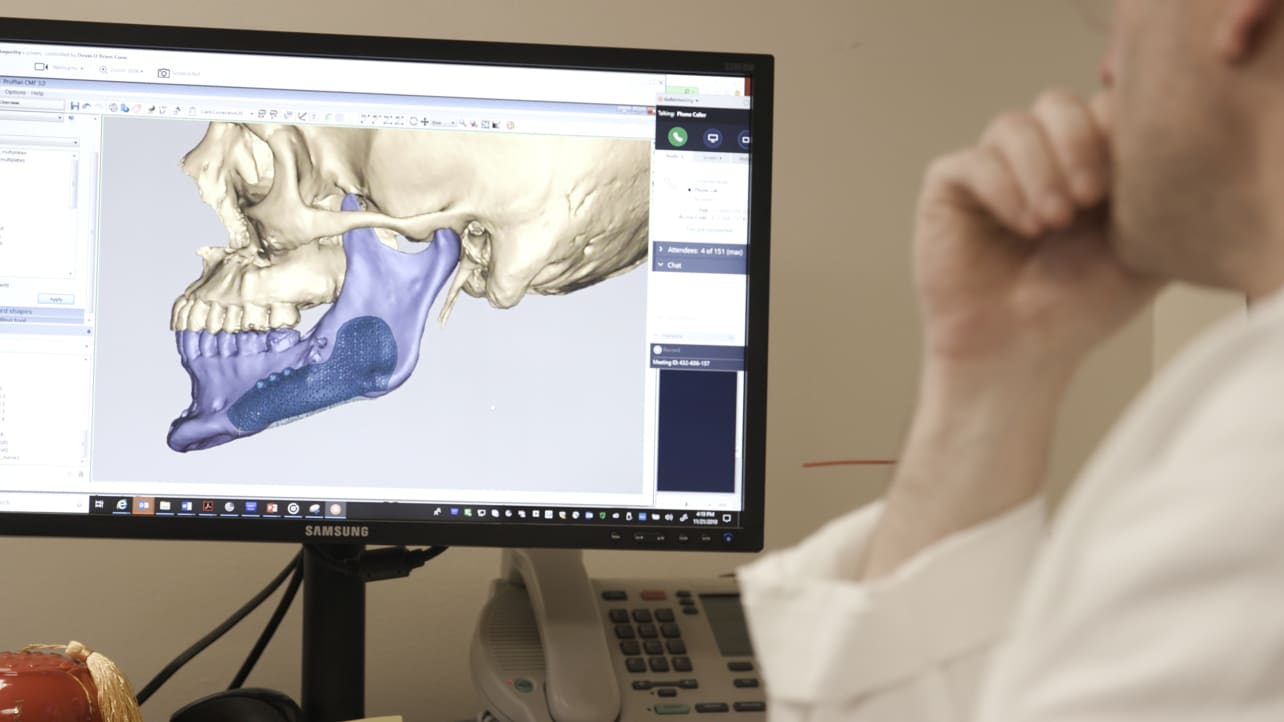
(335, 530)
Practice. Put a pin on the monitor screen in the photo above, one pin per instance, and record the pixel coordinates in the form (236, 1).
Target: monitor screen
(272, 286)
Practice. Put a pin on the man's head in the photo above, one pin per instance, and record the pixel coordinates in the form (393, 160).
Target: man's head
(1197, 91)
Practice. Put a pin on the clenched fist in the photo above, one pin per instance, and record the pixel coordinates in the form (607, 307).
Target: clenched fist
(1012, 250)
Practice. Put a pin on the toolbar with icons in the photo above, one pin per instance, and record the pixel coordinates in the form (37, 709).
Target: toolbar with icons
(363, 511)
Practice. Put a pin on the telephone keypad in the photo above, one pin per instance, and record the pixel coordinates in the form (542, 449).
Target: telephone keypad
(650, 644)
(651, 640)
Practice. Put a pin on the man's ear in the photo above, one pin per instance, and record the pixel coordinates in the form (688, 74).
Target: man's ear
(1241, 28)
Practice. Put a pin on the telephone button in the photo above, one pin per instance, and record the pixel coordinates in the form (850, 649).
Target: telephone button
(647, 631)
(641, 615)
(705, 707)
(690, 610)
(654, 595)
(664, 615)
(659, 664)
(630, 647)
(673, 708)
(670, 630)
(746, 683)
(636, 665)
(619, 616)
(653, 647)
(740, 666)
(615, 595)
(688, 684)
(641, 685)
(667, 692)
(676, 646)
(750, 706)
(624, 631)
(683, 664)
(684, 593)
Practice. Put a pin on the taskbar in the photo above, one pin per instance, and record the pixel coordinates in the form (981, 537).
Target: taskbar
(147, 506)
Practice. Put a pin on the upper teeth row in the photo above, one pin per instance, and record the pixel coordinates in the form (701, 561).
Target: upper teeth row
(193, 314)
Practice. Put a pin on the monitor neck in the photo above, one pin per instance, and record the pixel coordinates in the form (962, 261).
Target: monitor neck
(334, 636)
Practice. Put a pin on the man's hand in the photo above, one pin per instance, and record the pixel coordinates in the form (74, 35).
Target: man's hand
(1017, 281)
(1012, 249)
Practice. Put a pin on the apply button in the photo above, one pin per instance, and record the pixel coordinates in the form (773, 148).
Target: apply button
(56, 299)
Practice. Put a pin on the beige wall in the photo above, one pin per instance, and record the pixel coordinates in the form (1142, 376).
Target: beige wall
(1182, 312)
(869, 90)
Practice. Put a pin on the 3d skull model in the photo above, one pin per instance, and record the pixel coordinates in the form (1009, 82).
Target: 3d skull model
(314, 216)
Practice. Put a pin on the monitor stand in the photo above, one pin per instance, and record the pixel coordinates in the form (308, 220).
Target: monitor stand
(334, 637)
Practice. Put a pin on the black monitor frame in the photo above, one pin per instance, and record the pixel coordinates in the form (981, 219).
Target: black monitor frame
(748, 536)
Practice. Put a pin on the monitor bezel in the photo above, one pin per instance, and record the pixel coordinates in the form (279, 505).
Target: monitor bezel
(759, 68)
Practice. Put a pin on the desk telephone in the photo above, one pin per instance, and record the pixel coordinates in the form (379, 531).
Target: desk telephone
(552, 645)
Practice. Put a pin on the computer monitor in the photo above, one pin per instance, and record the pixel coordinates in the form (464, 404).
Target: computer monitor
(322, 289)
(302, 288)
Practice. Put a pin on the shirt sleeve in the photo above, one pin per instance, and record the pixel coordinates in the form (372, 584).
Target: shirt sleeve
(913, 645)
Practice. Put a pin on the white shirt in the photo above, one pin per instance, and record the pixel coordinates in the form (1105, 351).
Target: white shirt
(1157, 594)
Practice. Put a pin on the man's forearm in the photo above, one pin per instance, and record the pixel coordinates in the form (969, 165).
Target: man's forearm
(978, 446)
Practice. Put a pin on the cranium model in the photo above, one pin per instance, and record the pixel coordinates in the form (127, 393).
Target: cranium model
(315, 216)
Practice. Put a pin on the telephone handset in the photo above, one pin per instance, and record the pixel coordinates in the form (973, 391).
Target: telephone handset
(552, 645)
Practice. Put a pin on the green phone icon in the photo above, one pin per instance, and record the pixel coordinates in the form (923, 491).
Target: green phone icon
(678, 137)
